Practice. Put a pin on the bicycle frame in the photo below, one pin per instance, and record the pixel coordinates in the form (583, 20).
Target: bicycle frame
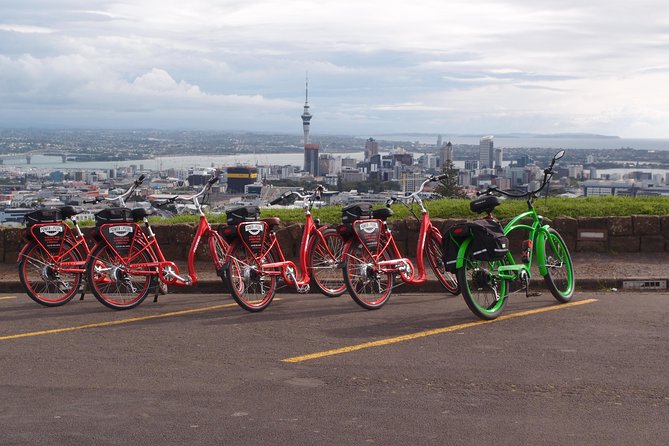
(408, 272)
(397, 263)
(299, 278)
(537, 233)
(146, 241)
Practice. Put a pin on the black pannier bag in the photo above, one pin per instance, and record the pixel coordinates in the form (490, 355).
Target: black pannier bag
(356, 211)
(489, 242)
(43, 216)
(450, 243)
(242, 214)
(113, 215)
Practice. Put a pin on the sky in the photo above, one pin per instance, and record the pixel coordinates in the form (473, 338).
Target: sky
(374, 67)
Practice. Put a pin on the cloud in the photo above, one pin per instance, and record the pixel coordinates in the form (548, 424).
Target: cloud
(458, 66)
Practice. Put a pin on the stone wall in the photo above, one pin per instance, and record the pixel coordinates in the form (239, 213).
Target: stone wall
(638, 233)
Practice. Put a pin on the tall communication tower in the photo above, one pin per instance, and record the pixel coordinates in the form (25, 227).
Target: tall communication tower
(310, 150)
(306, 116)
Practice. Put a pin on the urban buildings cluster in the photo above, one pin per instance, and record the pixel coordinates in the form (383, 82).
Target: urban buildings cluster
(349, 177)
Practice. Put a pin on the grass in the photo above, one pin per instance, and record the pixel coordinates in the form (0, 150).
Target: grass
(447, 208)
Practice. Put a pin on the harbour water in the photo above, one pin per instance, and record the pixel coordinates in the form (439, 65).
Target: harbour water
(297, 158)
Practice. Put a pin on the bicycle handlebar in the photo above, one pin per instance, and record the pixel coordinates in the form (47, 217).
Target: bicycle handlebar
(202, 192)
(121, 198)
(312, 196)
(548, 174)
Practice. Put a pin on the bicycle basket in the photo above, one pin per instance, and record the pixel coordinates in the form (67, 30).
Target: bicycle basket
(489, 242)
(356, 211)
(242, 214)
(113, 215)
(43, 216)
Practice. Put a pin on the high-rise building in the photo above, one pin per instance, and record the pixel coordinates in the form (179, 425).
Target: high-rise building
(499, 153)
(486, 152)
(445, 154)
(371, 148)
(310, 150)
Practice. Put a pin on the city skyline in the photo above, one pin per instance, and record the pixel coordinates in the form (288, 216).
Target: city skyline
(375, 67)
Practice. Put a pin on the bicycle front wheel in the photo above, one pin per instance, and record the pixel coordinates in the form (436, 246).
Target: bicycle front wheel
(251, 289)
(435, 255)
(483, 290)
(43, 279)
(369, 287)
(560, 277)
(113, 283)
(325, 263)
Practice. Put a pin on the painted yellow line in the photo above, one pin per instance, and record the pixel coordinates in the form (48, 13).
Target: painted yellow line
(118, 322)
(436, 331)
(7, 297)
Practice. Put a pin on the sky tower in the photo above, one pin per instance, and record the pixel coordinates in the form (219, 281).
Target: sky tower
(310, 150)
(306, 116)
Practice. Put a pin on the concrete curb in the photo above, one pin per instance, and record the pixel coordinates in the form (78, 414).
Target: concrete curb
(432, 286)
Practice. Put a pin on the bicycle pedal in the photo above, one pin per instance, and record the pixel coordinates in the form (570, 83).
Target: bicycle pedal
(303, 289)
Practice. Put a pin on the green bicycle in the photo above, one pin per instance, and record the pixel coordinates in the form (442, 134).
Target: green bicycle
(485, 272)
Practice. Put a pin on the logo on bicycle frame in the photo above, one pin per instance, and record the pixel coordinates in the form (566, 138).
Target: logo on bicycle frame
(369, 227)
(50, 230)
(254, 228)
(121, 231)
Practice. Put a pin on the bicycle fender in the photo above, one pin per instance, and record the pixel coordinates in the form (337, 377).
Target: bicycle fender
(540, 249)
(460, 261)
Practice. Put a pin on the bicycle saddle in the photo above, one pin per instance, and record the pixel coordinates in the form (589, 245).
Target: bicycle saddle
(138, 214)
(68, 211)
(382, 213)
(485, 203)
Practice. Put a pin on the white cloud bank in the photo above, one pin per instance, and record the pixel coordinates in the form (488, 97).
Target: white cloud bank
(374, 66)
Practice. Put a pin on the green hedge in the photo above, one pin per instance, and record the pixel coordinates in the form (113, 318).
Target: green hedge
(447, 208)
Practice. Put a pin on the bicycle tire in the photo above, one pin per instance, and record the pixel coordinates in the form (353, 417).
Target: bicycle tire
(103, 272)
(435, 256)
(245, 282)
(325, 263)
(368, 287)
(42, 280)
(484, 293)
(560, 278)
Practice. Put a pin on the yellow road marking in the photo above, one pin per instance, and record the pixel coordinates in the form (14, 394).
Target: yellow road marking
(118, 322)
(436, 331)
(7, 297)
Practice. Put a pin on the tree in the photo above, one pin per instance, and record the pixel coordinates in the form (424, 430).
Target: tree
(448, 187)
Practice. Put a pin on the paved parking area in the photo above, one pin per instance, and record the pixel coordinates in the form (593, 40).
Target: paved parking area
(197, 369)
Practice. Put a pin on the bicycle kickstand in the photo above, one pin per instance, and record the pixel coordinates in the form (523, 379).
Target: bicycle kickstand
(525, 281)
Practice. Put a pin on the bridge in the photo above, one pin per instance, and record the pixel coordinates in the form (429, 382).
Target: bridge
(28, 156)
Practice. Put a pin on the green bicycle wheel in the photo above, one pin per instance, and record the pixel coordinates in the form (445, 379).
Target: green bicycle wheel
(483, 290)
(560, 276)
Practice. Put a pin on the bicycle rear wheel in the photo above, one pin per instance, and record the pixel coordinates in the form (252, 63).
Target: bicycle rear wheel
(435, 255)
(113, 283)
(42, 278)
(251, 289)
(325, 258)
(482, 289)
(369, 287)
(560, 277)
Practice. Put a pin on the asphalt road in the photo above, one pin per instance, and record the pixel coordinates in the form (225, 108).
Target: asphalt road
(197, 369)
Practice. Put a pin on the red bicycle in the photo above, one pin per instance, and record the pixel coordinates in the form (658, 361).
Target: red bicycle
(127, 262)
(372, 259)
(52, 262)
(255, 260)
